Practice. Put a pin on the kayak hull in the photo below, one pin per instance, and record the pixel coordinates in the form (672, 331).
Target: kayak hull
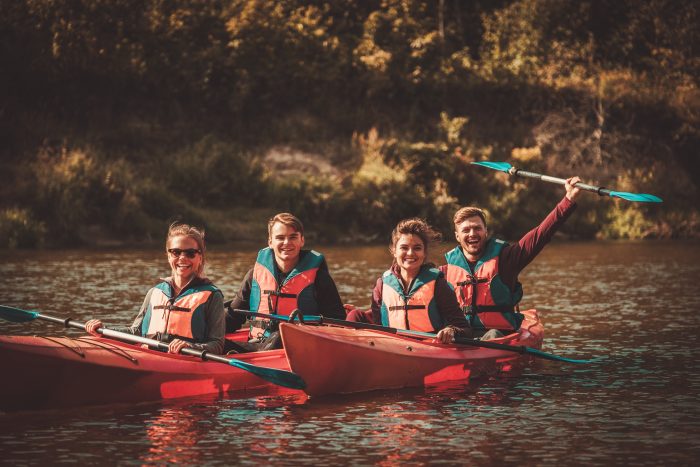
(54, 372)
(335, 360)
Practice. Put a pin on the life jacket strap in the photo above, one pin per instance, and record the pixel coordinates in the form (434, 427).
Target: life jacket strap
(272, 306)
(407, 307)
(170, 307)
(472, 281)
(280, 294)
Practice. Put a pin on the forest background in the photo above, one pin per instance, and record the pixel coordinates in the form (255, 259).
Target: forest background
(118, 117)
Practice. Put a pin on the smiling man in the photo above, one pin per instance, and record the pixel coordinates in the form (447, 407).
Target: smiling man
(483, 271)
(285, 277)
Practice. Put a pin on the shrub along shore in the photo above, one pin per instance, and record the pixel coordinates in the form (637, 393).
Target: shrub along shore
(120, 119)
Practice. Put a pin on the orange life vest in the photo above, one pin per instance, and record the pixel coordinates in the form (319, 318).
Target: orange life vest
(168, 317)
(296, 291)
(415, 309)
(487, 302)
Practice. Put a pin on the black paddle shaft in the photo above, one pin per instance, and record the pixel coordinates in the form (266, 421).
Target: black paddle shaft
(521, 349)
(318, 320)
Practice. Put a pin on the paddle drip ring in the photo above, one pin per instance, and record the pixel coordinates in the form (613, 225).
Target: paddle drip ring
(297, 313)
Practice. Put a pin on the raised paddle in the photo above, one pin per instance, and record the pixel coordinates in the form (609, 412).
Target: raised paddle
(509, 169)
(521, 349)
(273, 375)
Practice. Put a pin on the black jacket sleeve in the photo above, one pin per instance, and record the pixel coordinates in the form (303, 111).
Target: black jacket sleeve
(327, 296)
(240, 301)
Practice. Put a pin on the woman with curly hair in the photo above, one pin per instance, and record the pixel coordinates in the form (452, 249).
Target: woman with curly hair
(412, 293)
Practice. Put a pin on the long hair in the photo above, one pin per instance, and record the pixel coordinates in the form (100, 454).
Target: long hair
(415, 226)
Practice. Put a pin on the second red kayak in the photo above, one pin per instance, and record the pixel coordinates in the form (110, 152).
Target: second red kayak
(338, 360)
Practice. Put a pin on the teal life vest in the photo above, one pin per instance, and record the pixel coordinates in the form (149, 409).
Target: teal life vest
(415, 309)
(183, 317)
(487, 302)
(296, 291)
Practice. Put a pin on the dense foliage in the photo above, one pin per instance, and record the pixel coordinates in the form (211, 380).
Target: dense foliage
(118, 116)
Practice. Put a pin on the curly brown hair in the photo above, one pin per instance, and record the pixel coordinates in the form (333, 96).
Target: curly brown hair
(415, 226)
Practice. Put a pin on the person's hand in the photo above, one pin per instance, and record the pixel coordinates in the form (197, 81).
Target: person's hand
(349, 307)
(446, 335)
(571, 191)
(176, 345)
(92, 326)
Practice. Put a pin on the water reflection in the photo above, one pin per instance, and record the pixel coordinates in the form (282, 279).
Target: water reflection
(173, 435)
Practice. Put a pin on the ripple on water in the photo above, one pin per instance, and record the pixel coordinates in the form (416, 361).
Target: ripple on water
(632, 304)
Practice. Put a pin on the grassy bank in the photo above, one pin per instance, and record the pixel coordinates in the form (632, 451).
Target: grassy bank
(89, 195)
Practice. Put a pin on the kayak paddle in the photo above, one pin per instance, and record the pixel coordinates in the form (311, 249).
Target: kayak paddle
(521, 349)
(509, 169)
(273, 375)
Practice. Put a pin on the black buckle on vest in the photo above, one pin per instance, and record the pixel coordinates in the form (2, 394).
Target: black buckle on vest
(472, 281)
(280, 294)
(171, 307)
(407, 307)
(273, 307)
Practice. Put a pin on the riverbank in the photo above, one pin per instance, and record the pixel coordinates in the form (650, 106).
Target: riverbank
(74, 197)
(351, 117)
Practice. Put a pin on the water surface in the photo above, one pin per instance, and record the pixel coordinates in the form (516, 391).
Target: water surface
(635, 304)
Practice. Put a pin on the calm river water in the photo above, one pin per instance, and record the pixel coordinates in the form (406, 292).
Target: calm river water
(635, 304)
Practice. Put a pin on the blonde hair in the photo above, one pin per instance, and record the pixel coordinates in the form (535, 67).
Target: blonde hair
(414, 226)
(178, 229)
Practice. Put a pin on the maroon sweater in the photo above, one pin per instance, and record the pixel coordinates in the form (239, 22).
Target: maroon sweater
(514, 257)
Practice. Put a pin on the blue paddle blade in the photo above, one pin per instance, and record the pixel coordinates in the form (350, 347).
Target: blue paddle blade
(556, 358)
(640, 197)
(16, 315)
(502, 166)
(279, 377)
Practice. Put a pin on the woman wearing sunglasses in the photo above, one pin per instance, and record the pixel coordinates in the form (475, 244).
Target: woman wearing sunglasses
(186, 309)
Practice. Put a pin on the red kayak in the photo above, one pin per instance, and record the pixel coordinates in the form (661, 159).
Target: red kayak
(52, 372)
(338, 360)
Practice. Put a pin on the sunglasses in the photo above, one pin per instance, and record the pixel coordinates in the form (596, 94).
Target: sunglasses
(190, 252)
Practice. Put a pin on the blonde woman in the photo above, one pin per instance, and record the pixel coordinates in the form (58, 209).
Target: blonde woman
(185, 309)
